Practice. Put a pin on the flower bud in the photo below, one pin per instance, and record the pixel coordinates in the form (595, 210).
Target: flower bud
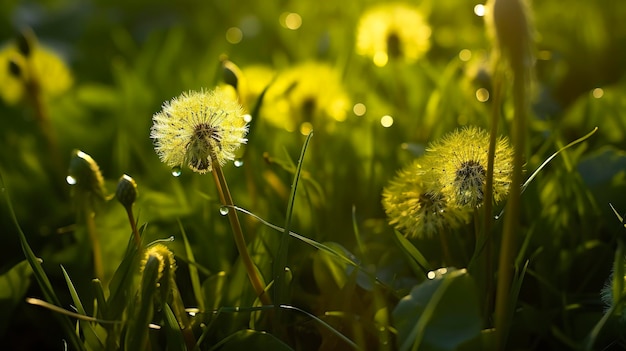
(84, 174)
(126, 192)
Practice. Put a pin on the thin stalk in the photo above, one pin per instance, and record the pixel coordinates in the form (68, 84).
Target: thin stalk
(488, 203)
(240, 241)
(33, 90)
(511, 222)
(90, 221)
(133, 225)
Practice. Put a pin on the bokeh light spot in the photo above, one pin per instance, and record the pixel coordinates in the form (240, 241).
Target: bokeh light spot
(290, 20)
(359, 109)
(380, 59)
(597, 93)
(482, 94)
(465, 55)
(386, 121)
(479, 10)
(234, 35)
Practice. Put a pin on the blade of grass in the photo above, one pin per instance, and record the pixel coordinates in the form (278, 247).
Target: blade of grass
(318, 246)
(40, 275)
(174, 336)
(91, 337)
(193, 270)
(280, 284)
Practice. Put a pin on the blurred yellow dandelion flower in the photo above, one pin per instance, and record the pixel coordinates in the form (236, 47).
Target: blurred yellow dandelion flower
(459, 162)
(195, 125)
(392, 31)
(43, 65)
(416, 207)
(309, 94)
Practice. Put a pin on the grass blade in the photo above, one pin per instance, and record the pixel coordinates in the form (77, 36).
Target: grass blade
(280, 285)
(40, 275)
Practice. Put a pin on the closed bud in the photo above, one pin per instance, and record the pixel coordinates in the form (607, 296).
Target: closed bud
(84, 174)
(126, 192)
(231, 73)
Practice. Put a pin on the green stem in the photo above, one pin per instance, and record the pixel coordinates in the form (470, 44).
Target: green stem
(511, 223)
(90, 221)
(488, 203)
(240, 241)
(133, 225)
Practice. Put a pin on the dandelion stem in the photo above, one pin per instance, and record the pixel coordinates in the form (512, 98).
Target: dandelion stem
(488, 199)
(33, 89)
(511, 222)
(90, 221)
(133, 225)
(240, 241)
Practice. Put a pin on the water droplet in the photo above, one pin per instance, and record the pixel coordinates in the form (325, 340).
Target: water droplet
(70, 180)
(224, 210)
(176, 171)
(247, 118)
(238, 162)
(496, 217)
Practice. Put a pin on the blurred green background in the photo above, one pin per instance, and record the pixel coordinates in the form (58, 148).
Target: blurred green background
(128, 57)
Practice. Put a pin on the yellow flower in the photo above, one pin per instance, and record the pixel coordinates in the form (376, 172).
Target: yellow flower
(195, 125)
(42, 65)
(392, 31)
(416, 207)
(459, 162)
(309, 95)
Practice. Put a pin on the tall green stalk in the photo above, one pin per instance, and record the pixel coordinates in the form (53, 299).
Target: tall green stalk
(240, 241)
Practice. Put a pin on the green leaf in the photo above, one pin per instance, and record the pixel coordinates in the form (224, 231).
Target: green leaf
(417, 261)
(173, 334)
(91, 338)
(137, 333)
(280, 284)
(439, 314)
(193, 270)
(122, 280)
(13, 286)
(40, 275)
(251, 340)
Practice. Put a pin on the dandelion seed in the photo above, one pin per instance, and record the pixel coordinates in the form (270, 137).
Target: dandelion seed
(459, 162)
(198, 127)
(416, 207)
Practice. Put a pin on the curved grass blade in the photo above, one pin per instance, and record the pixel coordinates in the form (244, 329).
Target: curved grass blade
(193, 270)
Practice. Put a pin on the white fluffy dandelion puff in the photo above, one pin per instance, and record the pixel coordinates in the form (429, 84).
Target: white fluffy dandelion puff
(195, 125)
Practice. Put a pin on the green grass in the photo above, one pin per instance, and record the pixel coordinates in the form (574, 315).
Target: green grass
(353, 281)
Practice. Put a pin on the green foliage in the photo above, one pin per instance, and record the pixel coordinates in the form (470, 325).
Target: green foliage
(338, 275)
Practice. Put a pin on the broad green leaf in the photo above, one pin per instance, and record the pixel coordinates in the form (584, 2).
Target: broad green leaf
(13, 286)
(439, 314)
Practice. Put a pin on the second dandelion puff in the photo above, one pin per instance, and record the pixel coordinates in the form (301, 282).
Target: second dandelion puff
(439, 190)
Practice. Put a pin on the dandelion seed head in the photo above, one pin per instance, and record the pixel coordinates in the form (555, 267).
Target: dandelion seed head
(194, 125)
(459, 161)
(415, 205)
